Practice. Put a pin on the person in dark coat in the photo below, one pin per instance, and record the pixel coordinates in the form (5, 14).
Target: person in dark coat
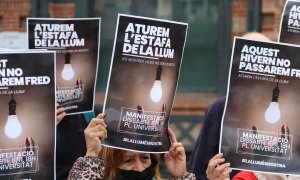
(207, 144)
(70, 141)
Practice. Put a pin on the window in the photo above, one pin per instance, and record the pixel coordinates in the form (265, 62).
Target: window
(199, 70)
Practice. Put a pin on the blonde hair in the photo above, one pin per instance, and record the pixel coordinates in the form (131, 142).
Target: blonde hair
(113, 158)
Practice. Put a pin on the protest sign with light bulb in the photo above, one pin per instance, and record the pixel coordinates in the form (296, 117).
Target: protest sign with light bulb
(27, 122)
(144, 72)
(77, 52)
(254, 129)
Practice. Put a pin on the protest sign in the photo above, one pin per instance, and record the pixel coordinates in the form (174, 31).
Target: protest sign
(260, 121)
(142, 82)
(76, 42)
(27, 148)
(290, 23)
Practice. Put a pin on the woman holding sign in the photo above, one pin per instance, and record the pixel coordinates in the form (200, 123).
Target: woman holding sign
(122, 164)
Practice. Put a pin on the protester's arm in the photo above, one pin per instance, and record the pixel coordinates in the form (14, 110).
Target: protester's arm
(189, 176)
(88, 167)
(218, 169)
(91, 165)
(175, 160)
(95, 133)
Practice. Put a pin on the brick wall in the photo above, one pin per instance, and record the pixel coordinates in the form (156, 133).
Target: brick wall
(270, 13)
(61, 10)
(239, 17)
(271, 17)
(13, 14)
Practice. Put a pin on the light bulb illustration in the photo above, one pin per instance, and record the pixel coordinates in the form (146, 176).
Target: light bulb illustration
(272, 114)
(67, 73)
(13, 127)
(156, 91)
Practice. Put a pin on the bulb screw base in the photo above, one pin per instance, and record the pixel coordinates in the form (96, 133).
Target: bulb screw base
(275, 94)
(158, 72)
(12, 105)
(67, 58)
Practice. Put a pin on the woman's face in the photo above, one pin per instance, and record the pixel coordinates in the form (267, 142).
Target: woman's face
(135, 161)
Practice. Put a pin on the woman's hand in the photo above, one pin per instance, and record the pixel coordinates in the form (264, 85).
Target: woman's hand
(175, 159)
(94, 134)
(217, 169)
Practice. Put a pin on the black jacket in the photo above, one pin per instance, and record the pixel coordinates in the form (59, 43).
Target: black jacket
(207, 144)
(70, 142)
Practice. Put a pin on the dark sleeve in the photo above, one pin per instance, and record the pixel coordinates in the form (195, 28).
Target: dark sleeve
(207, 144)
(70, 143)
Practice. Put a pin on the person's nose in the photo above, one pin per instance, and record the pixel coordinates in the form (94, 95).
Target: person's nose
(138, 166)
